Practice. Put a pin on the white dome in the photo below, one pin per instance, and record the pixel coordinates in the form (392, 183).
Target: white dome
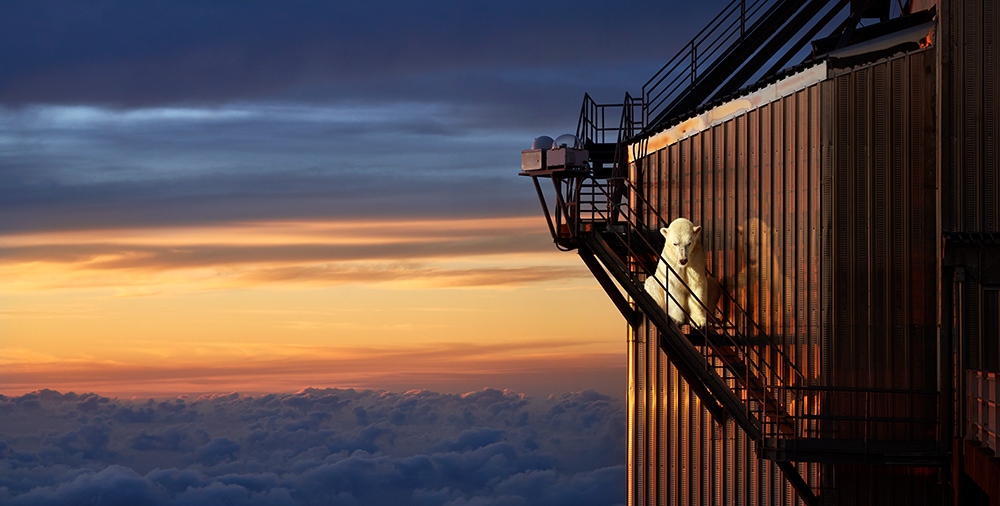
(569, 141)
(543, 142)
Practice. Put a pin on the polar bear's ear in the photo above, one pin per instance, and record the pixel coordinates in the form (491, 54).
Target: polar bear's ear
(664, 231)
(696, 229)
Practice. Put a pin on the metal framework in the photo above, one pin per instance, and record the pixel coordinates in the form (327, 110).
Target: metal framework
(870, 369)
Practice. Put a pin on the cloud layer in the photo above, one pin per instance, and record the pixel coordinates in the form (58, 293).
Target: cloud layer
(136, 55)
(91, 167)
(319, 446)
(169, 112)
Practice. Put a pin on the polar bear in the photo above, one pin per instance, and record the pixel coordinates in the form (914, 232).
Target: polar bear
(684, 253)
(754, 245)
(760, 277)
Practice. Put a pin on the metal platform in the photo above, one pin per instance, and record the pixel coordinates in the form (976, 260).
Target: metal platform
(848, 451)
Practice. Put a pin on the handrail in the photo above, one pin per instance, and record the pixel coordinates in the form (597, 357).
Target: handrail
(860, 421)
(601, 201)
(733, 364)
(704, 49)
(594, 126)
(761, 378)
(756, 365)
(754, 384)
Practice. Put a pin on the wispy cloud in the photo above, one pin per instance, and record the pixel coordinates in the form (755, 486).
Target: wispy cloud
(466, 253)
(537, 367)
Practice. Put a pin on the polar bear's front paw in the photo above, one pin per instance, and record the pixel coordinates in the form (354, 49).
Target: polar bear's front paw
(698, 317)
(677, 314)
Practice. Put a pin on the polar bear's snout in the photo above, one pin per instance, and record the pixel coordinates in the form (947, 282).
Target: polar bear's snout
(682, 250)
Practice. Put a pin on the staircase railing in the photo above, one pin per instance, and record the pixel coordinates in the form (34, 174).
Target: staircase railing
(742, 353)
(737, 45)
(682, 71)
(597, 126)
(734, 346)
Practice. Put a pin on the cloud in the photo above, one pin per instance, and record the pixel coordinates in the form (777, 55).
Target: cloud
(113, 485)
(170, 439)
(217, 450)
(437, 277)
(430, 253)
(157, 52)
(419, 448)
(165, 113)
(538, 367)
(124, 256)
(88, 168)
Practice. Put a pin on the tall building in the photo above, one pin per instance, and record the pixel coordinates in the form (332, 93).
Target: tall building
(850, 215)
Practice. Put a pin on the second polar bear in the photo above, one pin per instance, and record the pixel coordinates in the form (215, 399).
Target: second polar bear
(683, 252)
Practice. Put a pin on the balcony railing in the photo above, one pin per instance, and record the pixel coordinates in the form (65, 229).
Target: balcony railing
(983, 414)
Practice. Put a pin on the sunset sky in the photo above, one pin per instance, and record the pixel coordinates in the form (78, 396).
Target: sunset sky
(266, 196)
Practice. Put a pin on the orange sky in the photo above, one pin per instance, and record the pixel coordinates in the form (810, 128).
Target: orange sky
(448, 305)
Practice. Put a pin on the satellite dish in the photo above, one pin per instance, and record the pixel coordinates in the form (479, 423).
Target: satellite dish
(543, 142)
(569, 141)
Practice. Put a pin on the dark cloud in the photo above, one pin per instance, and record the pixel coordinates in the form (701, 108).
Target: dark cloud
(34, 207)
(174, 439)
(319, 446)
(130, 53)
(113, 485)
(90, 167)
(218, 450)
(118, 113)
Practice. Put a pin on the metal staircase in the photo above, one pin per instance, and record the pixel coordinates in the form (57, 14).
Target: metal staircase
(732, 365)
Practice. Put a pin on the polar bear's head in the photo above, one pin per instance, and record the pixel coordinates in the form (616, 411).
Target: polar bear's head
(681, 236)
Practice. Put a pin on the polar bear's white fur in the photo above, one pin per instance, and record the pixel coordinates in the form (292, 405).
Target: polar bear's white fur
(684, 253)
(759, 263)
